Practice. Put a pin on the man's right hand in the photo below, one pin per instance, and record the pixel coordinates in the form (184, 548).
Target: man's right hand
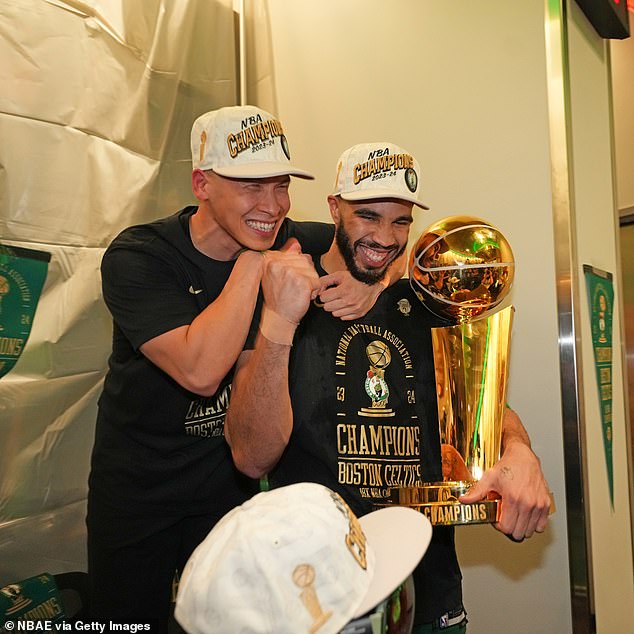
(288, 281)
(259, 421)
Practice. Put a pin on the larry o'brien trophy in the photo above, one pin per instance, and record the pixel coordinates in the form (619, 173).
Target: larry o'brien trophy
(461, 269)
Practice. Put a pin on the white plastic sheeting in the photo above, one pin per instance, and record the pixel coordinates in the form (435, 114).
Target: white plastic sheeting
(96, 105)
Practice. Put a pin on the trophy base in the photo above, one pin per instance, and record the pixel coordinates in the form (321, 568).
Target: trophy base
(439, 502)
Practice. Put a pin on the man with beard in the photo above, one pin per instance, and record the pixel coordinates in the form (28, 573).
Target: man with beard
(353, 406)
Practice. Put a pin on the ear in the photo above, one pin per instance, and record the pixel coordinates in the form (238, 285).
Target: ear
(199, 181)
(333, 204)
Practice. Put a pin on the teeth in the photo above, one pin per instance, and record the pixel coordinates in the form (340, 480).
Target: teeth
(375, 256)
(261, 226)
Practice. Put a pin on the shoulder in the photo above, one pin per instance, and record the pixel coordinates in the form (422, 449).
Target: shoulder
(401, 295)
(400, 290)
(313, 236)
(160, 226)
(152, 237)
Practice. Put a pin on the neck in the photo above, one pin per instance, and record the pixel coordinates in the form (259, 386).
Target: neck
(332, 261)
(211, 239)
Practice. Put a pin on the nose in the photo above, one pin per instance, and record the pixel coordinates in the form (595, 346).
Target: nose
(384, 235)
(273, 201)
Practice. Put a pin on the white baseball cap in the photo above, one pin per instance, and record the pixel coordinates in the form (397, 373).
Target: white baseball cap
(296, 559)
(378, 170)
(242, 142)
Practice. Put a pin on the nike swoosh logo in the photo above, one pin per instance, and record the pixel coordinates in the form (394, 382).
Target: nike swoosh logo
(195, 292)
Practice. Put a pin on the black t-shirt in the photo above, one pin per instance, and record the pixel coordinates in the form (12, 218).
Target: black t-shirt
(365, 419)
(159, 449)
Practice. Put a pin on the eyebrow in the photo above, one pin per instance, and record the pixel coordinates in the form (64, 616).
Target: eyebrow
(262, 181)
(368, 211)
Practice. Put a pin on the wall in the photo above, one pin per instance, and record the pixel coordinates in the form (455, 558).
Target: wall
(596, 234)
(622, 57)
(623, 91)
(463, 87)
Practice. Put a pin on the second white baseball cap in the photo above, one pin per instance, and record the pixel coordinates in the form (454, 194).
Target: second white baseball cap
(368, 171)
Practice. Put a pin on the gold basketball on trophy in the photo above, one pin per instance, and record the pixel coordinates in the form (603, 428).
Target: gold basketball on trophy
(461, 268)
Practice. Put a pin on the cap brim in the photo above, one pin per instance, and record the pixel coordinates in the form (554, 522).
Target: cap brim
(380, 193)
(262, 170)
(399, 537)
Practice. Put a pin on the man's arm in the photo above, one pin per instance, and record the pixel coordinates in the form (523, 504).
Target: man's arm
(259, 420)
(199, 355)
(517, 477)
(347, 298)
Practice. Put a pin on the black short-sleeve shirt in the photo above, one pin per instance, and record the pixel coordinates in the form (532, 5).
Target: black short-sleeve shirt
(159, 449)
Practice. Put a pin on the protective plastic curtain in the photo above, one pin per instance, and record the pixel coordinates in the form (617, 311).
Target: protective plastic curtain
(96, 103)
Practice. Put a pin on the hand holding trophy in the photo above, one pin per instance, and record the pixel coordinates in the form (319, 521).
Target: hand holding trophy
(461, 269)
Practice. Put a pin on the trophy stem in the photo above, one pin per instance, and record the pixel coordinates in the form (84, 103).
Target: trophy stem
(481, 394)
(471, 363)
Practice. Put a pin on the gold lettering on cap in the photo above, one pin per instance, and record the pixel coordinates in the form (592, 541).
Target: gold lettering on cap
(252, 135)
(356, 542)
(355, 539)
(381, 164)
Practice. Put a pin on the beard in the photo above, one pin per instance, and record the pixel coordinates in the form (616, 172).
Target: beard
(347, 250)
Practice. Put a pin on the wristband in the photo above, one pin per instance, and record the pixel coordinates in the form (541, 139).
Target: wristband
(277, 329)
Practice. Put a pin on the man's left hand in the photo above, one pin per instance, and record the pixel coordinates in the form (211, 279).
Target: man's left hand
(346, 297)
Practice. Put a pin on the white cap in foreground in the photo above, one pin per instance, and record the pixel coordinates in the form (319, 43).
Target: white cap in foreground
(296, 559)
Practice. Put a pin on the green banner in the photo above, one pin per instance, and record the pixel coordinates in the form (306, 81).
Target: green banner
(22, 275)
(33, 599)
(601, 302)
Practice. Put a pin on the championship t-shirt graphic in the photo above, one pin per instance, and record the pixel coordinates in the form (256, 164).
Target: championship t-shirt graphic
(377, 430)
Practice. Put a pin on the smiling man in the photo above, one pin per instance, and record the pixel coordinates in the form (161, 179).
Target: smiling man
(352, 406)
(367, 241)
(182, 292)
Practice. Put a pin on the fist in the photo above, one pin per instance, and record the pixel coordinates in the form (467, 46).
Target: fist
(288, 281)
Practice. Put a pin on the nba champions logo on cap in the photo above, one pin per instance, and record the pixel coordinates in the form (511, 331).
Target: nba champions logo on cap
(371, 171)
(256, 133)
(381, 163)
(242, 142)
